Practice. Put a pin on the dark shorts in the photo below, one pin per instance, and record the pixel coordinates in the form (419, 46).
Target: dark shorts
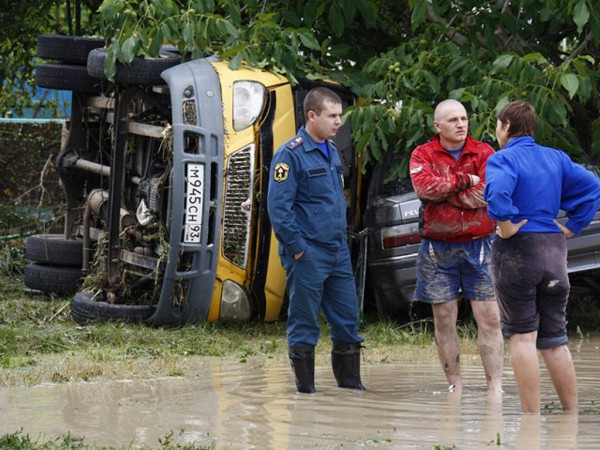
(532, 286)
(448, 270)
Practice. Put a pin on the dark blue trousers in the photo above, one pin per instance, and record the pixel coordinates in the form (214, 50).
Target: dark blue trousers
(321, 279)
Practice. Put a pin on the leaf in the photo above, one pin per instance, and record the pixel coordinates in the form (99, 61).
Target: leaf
(367, 11)
(110, 62)
(570, 82)
(502, 102)
(419, 14)
(340, 50)
(188, 33)
(128, 50)
(156, 40)
(501, 63)
(236, 62)
(336, 24)
(308, 40)
(581, 15)
(556, 112)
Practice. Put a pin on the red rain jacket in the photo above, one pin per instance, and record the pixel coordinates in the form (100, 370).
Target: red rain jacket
(453, 210)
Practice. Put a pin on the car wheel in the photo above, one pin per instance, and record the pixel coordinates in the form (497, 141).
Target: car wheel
(68, 49)
(141, 71)
(51, 279)
(85, 310)
(66, 77)
(54, 249)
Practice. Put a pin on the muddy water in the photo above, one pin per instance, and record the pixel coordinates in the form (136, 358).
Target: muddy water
(237, 407)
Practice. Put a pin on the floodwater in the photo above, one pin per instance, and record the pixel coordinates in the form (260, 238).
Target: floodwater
(239, 407)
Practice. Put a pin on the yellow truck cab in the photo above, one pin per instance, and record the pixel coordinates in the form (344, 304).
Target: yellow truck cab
(165, 171)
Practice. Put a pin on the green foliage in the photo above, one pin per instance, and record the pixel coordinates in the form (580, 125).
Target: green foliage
(12, 257)
(30, 194)
(288, 38)
(485, 56)
(402, 58)
(21, 21)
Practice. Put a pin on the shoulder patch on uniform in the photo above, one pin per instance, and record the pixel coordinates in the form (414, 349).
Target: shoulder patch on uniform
(281, 172)
(294, 142)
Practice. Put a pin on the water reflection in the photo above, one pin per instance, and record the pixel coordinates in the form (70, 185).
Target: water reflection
(235, 406)
(561, 432)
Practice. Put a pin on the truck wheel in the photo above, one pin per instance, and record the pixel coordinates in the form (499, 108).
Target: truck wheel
(55, 280)
(85, 310)
(141, 71)
(66, 77)
(54, 249)
(68, 49)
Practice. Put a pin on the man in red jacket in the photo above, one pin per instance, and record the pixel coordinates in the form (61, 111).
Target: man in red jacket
(448, 174)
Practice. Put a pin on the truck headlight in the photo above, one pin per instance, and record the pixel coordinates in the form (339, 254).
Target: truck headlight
(235, 303)
(248, 102)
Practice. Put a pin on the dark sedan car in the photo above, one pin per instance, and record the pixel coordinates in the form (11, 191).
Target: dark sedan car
(392, 217)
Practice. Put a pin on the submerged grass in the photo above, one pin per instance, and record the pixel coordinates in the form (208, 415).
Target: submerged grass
(20, 441)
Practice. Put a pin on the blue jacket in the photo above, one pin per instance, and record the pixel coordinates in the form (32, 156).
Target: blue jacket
(305, 198)
(528, 181)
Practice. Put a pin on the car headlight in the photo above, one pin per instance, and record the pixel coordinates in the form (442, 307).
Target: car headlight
(248, 102)
(235, 303)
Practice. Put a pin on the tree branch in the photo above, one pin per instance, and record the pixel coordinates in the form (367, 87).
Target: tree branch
(579, 50)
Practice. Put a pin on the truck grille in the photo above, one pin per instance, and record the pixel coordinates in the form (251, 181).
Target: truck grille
(238, 206)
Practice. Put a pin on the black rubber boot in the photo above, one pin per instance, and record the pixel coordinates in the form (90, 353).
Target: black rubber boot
(303, 365)
(345, 360)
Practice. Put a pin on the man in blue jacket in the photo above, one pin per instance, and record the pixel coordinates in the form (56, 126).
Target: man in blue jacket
(307, 209)
(526, 185)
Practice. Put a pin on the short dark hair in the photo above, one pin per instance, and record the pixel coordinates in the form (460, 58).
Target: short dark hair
(521, 117)
(316, 98)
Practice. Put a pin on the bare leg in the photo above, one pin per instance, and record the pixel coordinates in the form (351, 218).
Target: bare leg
(446, 339)
(527, 370)
(562, 372)
(490, 341)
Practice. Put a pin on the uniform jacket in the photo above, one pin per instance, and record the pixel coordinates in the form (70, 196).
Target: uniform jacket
(453, 210)
(305, 199)
(528, 181)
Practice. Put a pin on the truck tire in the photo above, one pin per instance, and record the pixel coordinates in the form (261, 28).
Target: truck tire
(66, 77)
(85, 310)
(141, 71)
(67, 49)
(51, 279)
(54, 249)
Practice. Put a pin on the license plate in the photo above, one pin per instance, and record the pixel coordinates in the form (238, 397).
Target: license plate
(194, 200)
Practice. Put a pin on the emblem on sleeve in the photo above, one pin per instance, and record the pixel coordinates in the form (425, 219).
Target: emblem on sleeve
(281, 172)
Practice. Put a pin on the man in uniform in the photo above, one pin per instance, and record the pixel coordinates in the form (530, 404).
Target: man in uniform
(307, 209)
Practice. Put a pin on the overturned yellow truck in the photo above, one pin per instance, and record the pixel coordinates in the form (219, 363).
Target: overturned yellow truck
(165, 173)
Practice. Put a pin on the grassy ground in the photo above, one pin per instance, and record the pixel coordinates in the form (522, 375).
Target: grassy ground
(40, 343)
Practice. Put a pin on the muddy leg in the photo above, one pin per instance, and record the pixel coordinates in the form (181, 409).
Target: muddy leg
(490, 341)
(446, 339)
